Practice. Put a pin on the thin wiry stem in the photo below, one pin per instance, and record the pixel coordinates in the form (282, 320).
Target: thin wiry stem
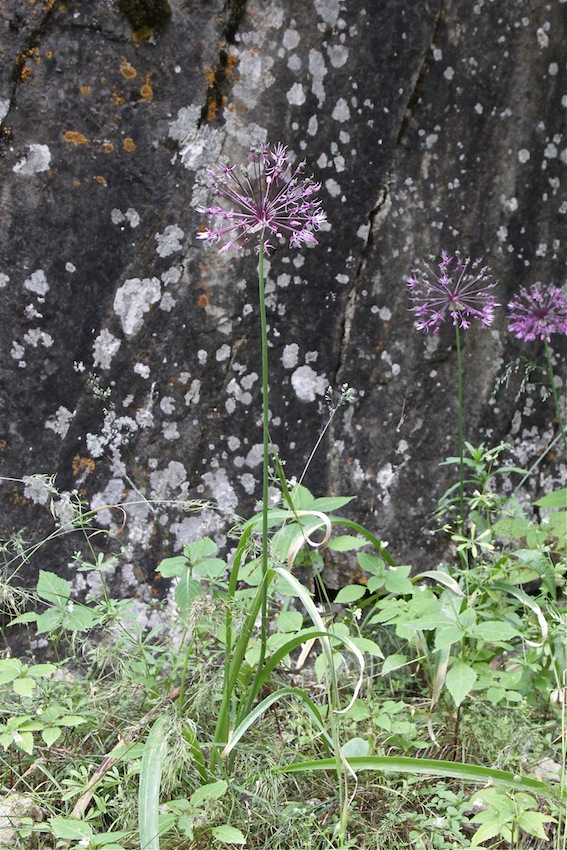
(554, 392)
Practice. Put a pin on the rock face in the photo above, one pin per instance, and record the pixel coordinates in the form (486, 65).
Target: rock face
(130, 353)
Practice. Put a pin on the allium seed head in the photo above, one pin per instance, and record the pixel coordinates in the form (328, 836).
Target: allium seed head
(461, 290)
(538, 312)
(269, 198)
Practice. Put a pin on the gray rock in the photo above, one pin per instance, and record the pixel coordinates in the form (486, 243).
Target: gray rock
(130, 353)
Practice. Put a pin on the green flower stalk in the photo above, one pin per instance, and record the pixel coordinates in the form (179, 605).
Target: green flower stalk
(271, 199)
(539, 312)
(461, 291)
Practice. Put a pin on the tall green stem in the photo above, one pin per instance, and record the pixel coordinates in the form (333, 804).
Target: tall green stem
(460, 417)
(554, 392)
(266, 450)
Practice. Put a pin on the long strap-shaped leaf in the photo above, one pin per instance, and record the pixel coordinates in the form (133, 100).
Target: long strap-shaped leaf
(150, 781)
(429, 767)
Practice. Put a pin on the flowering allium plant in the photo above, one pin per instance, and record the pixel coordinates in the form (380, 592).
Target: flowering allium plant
(538, 312)
(271, 197)
(460, 290)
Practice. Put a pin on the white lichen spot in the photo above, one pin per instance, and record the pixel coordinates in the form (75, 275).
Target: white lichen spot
(523, 155)
(502, 233)
(133, 300)
(449, 73)
(35, 337)
(312, 126)
(551, 151)
(167, 302)
(170, 431)
(385, 314)
(341, 112)
(171, 481)
(198, 145)
(35, 160)
(291, 39)
(328, 10)
(342, 279)
(4, 108)
(17, 352)
(332, 187)
(290, 355)
(223, 353)
(307, 384)
(105, 347)
(542, 37)
(142, 369)
(202, 356)
(296, 95)
(193, 396)
(169, 241)
(60, 421)
(167, 404)
(338, 55)
(318, 72)
(4, 280)
(37, 283)
(221, 490)
(479, 108)
(553, 69)
(248, 483)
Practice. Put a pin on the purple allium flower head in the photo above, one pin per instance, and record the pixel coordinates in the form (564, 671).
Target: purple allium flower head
(538, 312)
(271, 197)
(461, 290)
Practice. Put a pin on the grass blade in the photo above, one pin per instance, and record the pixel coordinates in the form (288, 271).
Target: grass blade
(428, 767)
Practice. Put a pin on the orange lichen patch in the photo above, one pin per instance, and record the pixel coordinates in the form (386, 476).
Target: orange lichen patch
(128, 71)
(147, 92)
(117, 98)
(129, 144)
(85, 89)
(76, 182)
(74, 138)
(141, 35)
(101, 180)
(25, 72)
(3, 445)
(49, 54)
(107, 147)
(202, 300)
(82, 464)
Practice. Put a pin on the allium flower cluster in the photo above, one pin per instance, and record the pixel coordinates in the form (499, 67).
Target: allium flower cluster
(269, 198)
(538, 312)
(461, 289)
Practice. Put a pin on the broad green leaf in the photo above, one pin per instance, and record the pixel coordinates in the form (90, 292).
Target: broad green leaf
(172, 567)
(332, 503)
(186, 590)
(349, 594)
(289, 621)
(71, 829)
(42, 670)
(210, 568)
(393, 662)
(448, 635)
(532, 822)
(51, 734)
(460, 680)
(200, 549)
(49, 621)
(556, 499)
(28, 617)
(24, 686)
(368, 646)
(211, 791)
(371, 564)
(53, 588)
(346, 543)
(71, 720)
(228, 834)
(78, 618)
(483, 833)
(355, 747)
(10, 669)
(494, 631)
(24, 740)
(397, 580)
